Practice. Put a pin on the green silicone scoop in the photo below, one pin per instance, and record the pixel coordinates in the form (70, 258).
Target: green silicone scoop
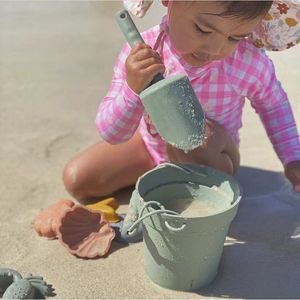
(170, 102)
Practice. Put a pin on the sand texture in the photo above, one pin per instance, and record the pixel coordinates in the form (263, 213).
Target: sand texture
(56, 60)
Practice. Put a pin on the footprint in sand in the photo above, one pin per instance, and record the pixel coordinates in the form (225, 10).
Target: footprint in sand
(58, 144)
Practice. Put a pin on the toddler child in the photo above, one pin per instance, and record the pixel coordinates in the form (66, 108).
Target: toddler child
(207, 41)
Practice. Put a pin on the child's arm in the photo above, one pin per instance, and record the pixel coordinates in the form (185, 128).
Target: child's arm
(119, 113)
(271, 103)
(121, 110)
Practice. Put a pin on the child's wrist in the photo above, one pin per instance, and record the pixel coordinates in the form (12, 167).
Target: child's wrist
(131, 98)
(129, 92)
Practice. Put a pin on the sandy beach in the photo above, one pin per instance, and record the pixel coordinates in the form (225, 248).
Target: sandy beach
(56, 60)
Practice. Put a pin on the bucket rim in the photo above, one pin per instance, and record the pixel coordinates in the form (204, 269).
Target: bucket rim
(235, 202)
(179, 216)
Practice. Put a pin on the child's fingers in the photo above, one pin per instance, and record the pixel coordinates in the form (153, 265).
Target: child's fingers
(297, 188)
(155, 69)
(141, 52)
(296, 182)
(146, 53)
(292, 172)
(135, 49)
(144, 64)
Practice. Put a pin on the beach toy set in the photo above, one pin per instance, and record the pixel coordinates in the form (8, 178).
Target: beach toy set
(174, 244)
(181, 212)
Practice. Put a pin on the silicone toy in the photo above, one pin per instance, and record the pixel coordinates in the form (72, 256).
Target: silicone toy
(107, 207)
(84, 233)
(182, 252)
(13, 286)
(118, 229)
(45, 224)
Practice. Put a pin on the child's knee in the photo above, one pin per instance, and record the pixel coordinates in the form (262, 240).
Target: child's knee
(71, 179)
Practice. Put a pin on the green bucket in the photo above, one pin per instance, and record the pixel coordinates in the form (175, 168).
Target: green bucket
(186, 211)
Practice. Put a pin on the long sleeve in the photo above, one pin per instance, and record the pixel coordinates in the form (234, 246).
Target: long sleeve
(271, 103)
(120, 111)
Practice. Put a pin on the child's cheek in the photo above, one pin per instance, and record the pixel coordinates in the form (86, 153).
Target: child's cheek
(180, 43)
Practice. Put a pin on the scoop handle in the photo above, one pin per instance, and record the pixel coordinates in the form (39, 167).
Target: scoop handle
(132, 34)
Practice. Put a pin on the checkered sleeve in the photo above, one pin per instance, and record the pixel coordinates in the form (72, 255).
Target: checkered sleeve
(271, 103)
(120, 111)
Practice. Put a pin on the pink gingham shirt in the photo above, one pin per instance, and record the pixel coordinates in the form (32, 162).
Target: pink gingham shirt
(221, 87)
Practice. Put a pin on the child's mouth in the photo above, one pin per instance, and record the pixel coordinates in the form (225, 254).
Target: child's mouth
(201, 58)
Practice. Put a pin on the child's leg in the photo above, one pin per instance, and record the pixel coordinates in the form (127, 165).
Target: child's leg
(217, 151)
(104, 168)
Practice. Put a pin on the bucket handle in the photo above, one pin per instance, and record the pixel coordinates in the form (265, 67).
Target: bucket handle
(161, 210)
(184, 169)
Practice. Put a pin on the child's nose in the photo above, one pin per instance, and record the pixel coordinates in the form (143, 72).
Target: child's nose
(214, 46)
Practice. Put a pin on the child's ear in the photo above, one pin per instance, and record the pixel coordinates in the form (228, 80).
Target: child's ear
(165, 3)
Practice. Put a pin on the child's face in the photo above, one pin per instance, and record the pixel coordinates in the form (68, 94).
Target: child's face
(199, 35)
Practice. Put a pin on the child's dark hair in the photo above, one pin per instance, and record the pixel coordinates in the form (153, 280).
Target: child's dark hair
(247, 10)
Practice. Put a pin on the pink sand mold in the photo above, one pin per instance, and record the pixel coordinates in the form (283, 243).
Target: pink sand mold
(83, 232)
(45, 224)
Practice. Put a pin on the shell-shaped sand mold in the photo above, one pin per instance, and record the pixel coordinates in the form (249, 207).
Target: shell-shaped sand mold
(85, 233)
(45, 224)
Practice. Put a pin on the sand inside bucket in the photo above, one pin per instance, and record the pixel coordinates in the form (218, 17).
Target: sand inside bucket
(192, 208)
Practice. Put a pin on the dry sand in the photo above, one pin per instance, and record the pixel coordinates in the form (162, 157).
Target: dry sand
(56, 61)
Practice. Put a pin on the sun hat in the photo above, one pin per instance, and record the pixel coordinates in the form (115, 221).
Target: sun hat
(279, 30)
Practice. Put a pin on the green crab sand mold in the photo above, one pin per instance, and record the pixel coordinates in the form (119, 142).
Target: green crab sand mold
(13, 286)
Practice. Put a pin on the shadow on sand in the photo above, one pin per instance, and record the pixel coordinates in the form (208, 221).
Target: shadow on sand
(261, 258)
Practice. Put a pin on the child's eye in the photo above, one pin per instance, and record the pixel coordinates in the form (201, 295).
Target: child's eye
(233, 40)
(201, 30)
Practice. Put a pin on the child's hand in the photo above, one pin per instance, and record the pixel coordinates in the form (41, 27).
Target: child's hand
(142, 64)
(292, 172)
(217, 150)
